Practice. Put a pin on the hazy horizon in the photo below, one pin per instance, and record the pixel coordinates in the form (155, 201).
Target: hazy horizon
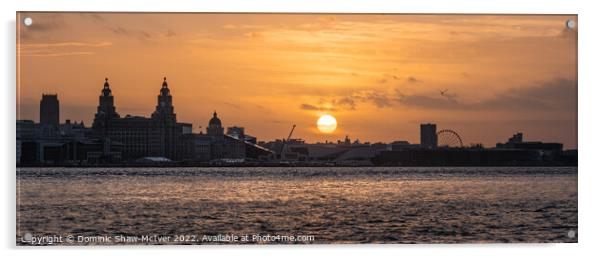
(484, 76)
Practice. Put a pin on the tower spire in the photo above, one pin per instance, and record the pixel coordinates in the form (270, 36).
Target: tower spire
(164, 101)
(106, 90)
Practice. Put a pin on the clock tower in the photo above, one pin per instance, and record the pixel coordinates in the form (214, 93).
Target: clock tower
(164, 110)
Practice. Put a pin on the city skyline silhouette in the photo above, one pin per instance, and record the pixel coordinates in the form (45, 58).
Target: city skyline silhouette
(203, 130)
(380, 76)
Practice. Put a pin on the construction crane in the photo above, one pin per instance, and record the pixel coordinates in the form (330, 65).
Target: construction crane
(285, 141)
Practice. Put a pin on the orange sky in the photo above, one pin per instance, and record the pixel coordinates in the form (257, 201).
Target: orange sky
(379, 75)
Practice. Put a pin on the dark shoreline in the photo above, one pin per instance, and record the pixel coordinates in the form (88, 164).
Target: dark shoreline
(267, 165)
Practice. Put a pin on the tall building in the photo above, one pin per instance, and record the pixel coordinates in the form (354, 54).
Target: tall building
(428, 136)
(105, 112)
(164, 129)
(49, 110)
(158, 136)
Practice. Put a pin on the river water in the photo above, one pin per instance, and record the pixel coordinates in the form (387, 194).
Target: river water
(86, 206)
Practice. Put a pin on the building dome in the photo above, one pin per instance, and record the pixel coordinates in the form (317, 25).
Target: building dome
(214, 121)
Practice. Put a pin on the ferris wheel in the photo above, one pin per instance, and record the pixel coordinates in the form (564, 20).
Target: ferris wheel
(449, 138)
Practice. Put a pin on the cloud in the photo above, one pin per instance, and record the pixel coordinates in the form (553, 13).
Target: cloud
(306, 106)
(559, 94)
(70, 48)
(320, 107)
(96, 17)
(55, 54)
(235, 106)
(136, 33)
(347, 102)
(553, 95)
(430, 102)
(67, 44)
(387, 77)
(379, 99)
(343, 103)
(253, 34)
(170, 33)
(412, 79)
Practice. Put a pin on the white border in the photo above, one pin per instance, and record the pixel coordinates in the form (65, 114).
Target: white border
(590, 129)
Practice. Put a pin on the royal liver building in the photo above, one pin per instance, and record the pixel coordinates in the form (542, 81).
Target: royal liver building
(158, 136)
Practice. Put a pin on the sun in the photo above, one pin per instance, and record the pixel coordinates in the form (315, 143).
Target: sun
(327, 124)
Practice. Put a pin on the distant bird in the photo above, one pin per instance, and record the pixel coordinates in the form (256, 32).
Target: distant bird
(443, 92)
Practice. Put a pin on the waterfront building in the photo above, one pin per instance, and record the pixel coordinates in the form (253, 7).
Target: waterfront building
(428, 136)
(224, 146)
(49, 115)
(202, 147)
(237, 132)
(158, 136)
(49, 110)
